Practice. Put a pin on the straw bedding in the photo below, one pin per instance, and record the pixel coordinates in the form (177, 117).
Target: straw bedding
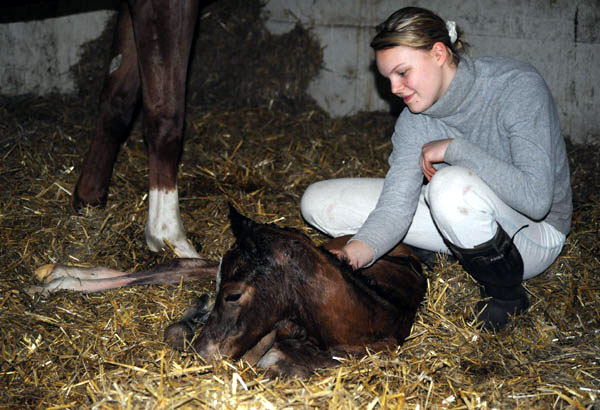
(255, 138)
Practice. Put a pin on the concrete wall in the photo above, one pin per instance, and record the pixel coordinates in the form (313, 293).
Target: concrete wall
(36, 55)
(560, 37)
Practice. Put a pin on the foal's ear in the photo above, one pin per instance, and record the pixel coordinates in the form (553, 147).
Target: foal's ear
(240, 225)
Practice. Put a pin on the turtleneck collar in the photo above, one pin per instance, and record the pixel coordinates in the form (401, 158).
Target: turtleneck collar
(457, 90)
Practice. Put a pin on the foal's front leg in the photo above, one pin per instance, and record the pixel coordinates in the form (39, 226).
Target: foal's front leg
(292, 353)
(295, 358)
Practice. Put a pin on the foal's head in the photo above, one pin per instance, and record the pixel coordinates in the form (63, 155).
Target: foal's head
(257, 286)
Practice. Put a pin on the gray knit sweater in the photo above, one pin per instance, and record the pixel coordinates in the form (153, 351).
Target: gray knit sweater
(506, 129)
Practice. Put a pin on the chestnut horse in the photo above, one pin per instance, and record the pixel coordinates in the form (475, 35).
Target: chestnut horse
(150, 55)
(281, 302)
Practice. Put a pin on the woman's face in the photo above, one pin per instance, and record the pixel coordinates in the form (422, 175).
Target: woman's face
(419, 77)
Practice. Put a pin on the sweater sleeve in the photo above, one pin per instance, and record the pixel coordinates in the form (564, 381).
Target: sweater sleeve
(527, 118)
(389, 221)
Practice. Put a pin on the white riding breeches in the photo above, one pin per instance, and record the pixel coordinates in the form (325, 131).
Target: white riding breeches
(456, 204)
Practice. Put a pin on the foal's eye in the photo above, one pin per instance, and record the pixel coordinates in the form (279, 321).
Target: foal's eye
(233, 297)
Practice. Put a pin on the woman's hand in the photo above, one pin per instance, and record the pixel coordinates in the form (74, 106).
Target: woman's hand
(356, 253)
(433, 153)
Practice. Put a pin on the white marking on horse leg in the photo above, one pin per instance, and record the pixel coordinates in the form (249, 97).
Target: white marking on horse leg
(164, 223)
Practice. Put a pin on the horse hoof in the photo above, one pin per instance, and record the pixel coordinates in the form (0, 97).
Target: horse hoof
(43, 272)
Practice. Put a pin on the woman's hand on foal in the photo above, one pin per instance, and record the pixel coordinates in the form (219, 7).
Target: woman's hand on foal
(355, 253)
(433, 153)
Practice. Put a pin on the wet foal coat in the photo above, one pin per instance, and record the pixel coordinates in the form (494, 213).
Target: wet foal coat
(286, 305)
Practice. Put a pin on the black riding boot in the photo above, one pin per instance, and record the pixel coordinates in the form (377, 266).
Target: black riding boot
(498, 267)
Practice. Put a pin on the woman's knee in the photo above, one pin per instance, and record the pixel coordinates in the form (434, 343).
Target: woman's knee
(340, 206)
(448, 184)
(312, 201)
(451, 194)
(449, 179)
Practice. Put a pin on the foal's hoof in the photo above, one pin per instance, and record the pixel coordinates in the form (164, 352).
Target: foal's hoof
(36, 290)
(43, 272)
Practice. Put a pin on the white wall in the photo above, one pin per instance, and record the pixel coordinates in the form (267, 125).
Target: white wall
(563, 47)
(36, 56)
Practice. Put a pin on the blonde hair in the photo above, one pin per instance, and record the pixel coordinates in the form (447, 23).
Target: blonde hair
(417, 28)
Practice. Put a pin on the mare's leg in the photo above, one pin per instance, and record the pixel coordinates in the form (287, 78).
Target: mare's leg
(96, 279)
(120, 93)
(163, 31)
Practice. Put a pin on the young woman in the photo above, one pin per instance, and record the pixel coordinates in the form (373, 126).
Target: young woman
(486, 136)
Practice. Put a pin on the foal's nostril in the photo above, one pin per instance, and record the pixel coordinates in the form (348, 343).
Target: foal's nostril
(178, 335)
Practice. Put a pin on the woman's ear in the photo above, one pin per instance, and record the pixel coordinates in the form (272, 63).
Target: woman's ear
(439, 53)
